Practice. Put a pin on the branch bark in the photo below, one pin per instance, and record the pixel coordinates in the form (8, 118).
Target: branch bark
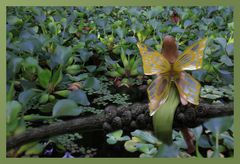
(128, 118)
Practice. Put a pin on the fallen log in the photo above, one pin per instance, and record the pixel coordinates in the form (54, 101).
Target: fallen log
(128, 118)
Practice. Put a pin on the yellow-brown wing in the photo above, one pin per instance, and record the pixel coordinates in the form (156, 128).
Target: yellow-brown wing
(153, 61)
(188, 87)
(158, 92)
(192, 57)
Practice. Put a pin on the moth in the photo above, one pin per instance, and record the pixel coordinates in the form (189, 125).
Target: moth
(168, 73)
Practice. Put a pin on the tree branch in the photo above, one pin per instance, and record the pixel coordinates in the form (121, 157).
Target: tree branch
(128, 118)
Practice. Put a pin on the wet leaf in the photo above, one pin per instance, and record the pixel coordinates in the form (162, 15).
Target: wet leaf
(66, 107)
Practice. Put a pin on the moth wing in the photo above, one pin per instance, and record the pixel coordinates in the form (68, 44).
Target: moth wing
(192, 57)
(153, 61)
(188, 88)
(158, 92)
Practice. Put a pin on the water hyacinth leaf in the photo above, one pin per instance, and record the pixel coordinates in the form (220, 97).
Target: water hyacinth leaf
(120, 32)
(79, 97)
(80, 77)
(130, 146)
(35, 150)
(10, 91)
(145, 148)
(20, 128)
(29, 45)
(145, 136)
(13, 20)
(66, 107)
(92, 82)
(222, 42)
(177, 29)
(131, 40)
(109, 60)
(228, 141)
(219, 125)
(13, 109)
(35, 117)
(187, 23)
(226, 60)
(199, 74)
(204, 142)
(116, 134)
(15, 64)
(30, 62)
(197, 132)
(84, 55)
(91, 68)
(111, 140)
(61, 55)
(44, 76)
(227, 76)
(229, 49)
(25, 147)
(124, 138)
(167, 151)
(25, 96)
(57, 76)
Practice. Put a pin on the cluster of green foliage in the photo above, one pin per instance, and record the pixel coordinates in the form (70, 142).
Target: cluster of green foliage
(215, 136)
(51, 50)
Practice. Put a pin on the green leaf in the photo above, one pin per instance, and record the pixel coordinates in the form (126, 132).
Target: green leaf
(226, 60)
(15, 64)
(228, 141)
(29, 45)
(145, 136)
(63, 93)
(120, 32)
(80, 77)
(130, 146)
(116, 134)
(66, 107)
(167, 151)
(72, 29)
(79, 97)
(145, 148)
(61, 55)
(229, 49)
(85, 55)
(13, 20)
(35, 150)
(44, 98)
(20, 128)
(91, 68)
(203, 142)
(124, 59)
(187, 23)
(219, 125)
(13, 109)
(10, 92)
(57, 76)
(25, 96)
(36, 117)
(197, 132)
(44, 76)
(92, 82)
(163, 118)
(30, 62)
(111, 140)
(73, 69)
(222, 42)
(25, 147)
